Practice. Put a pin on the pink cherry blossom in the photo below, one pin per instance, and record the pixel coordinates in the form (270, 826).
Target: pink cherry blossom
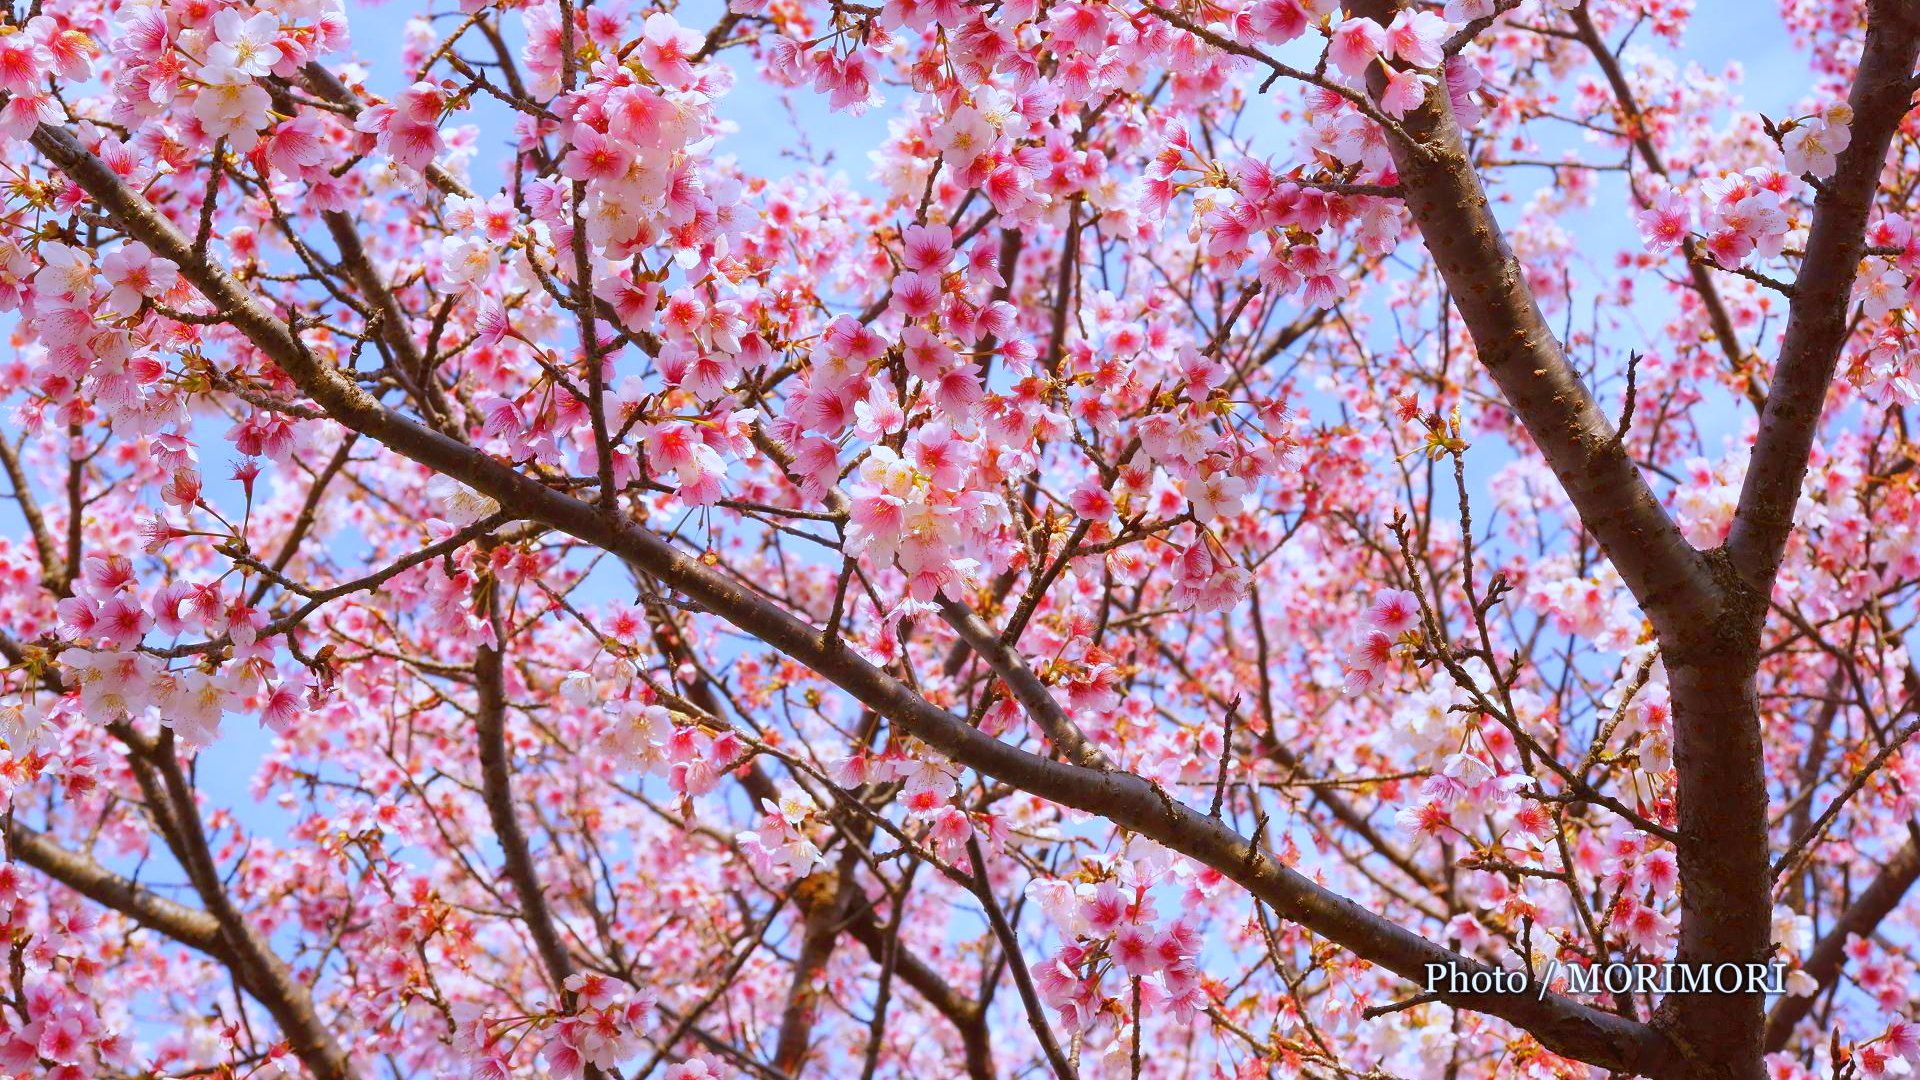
(1665, 224)
(1394, 612)
(1356, 44)
(1405, 91)
(135, 273)
(244, 46)
(666, 47)
(1416, 38)
(1812, 145)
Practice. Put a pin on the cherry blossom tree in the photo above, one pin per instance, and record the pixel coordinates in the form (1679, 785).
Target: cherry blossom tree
(1206, 529)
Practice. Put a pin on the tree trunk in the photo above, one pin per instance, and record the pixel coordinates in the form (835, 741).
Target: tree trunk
(1726, 909)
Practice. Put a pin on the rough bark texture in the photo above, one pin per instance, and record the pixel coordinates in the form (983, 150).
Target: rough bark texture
(1725, 900)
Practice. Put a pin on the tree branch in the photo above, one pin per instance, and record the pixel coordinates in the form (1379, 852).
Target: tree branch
(496, 769)
(248, 955)
(1817, 317)
(194, 929)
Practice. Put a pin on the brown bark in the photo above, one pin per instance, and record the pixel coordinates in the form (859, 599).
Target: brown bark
(496, 773)
(824, 899)
(1725, 899)
(248, 954)
(1442, 191)
(194, 929)
(967, 1016)
(1724, 867)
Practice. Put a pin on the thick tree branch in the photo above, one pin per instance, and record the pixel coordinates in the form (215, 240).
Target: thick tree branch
(968, 1018)
(1817, 318)
(496, 772)
(194, 929)
(828, 894)
(1489, 287)
(249, 955)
